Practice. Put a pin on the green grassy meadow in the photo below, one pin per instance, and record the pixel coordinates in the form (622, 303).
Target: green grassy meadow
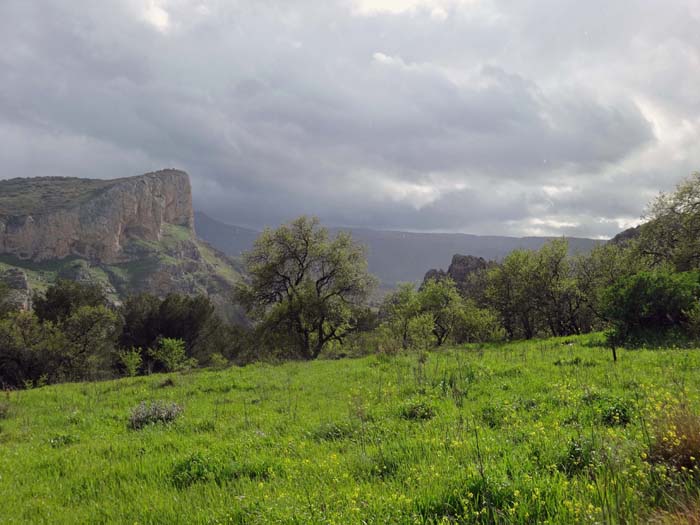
(534, 432)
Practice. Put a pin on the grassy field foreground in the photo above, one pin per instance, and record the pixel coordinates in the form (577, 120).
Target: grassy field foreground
(548, 431)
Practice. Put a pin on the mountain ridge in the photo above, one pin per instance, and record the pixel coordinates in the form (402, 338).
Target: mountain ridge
(397, 256)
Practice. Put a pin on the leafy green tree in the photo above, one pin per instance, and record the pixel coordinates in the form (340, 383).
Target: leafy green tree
(91, 332)
(440, 299)
(305, 289)
(512, 292)
(672, 233)
(64, 297)
(141, 327)
(600, 269)
(171, 355)
(131, 360)
(398, 309)
(650, 302)
(558, 299)
(477, 325)
(421, 331)
(147, 319)
(30, 351)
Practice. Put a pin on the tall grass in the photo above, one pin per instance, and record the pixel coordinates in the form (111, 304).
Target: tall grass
(546, 431)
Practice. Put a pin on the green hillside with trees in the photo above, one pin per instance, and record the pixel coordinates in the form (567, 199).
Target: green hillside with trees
(548, 387)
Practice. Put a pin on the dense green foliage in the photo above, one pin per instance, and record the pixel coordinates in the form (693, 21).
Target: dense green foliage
(73, 334)
(305, 289)
(531, 432)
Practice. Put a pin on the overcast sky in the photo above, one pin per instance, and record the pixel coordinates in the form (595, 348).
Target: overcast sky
(501, 117)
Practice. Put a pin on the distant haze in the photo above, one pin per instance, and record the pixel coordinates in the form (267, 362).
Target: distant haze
(394, 256)
(556, 117)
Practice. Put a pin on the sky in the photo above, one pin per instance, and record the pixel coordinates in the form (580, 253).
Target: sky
(512, 117)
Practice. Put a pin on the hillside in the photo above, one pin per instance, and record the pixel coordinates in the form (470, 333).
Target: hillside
(130, 235)
(396, 256)
(532, 432)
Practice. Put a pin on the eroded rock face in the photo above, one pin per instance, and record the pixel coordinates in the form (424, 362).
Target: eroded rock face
(18, 286)
(97, 228)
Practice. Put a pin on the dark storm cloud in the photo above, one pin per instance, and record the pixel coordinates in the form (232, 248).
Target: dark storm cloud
(440, 115)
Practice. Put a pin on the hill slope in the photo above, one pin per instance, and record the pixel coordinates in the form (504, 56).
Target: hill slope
(396, 256)
(532, 432)
(130, 235)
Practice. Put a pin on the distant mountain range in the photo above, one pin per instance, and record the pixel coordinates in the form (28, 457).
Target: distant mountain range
(394, 256)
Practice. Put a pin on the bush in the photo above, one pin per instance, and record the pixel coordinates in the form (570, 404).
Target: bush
(131, 361)
(332, 431)
(581, 456)
(417, 410)
(650, 302)
(677, 442)
(155, 412)
(420, 332)
(616, 414)
(195, 469)
(171, 354)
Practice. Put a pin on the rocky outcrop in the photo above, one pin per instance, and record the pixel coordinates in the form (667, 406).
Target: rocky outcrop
(96, 226)
(19, 294)
(128, 235)
(468, 273)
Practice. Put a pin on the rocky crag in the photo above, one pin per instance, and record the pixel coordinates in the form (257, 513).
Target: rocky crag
(468, 273)
(130, 235)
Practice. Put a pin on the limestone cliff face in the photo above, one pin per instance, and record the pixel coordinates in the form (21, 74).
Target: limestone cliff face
(96, 224)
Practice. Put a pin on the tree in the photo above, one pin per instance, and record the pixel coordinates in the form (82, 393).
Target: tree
(440, 299)
(64, 297)
(91, 332)
(477, 325)
(147, 319)
(398, 309)
(512, 292)
(30, 351)
(304, 286)
(600, 269)
(672, 233)
(557, 298)
(650, 303)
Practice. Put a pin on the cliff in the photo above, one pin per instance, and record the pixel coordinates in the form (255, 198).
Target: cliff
(52, 218)
(129, 235)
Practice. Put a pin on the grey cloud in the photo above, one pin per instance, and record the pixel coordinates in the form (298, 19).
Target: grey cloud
(389, 121)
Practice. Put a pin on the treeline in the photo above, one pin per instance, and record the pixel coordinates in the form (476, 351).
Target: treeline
(73, 333)
(307, 294)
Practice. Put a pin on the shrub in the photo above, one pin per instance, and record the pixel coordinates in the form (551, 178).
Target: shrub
(154, 412)
(62, 440)
(417, 410)
(492, 416)
(420, 332)
(171, 354)
(677, 441)
(131, 361)
(218, 361)
(616, 414)
(197, 468)
(648, 302)
(333, 431)
(580, 456)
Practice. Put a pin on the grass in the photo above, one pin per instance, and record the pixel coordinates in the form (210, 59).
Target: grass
(493, 434)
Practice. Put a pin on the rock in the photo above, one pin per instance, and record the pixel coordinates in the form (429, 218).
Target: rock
(95, 226)
(19, 291)
(467, 272)
(128, 235)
